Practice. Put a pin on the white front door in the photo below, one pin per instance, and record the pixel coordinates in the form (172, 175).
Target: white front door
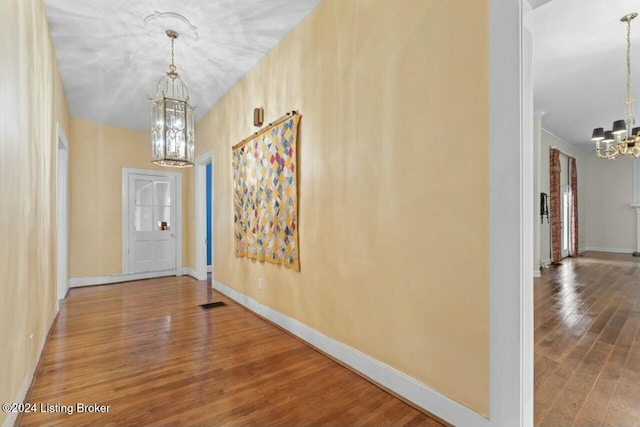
(152, 221)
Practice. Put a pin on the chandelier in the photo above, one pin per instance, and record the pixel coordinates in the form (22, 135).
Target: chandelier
(621, 140)
(172, 119)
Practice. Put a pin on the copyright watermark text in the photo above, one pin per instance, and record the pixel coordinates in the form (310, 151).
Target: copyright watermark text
(55, 408)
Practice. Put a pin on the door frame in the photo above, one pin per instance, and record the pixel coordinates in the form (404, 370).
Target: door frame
(200, 214)
(125, 215)
(510, 219)
(62, 214)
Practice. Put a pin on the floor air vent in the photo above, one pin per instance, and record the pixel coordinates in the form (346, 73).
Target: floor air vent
(211, 305)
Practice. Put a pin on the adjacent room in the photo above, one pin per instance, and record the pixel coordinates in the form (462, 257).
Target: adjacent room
(586, 211)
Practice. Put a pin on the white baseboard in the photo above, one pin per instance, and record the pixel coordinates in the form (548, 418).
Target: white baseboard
(11, 417)
(188, 271)
(536, 273)
(394, 380)
(612, 250)
(545, 263)
(75, 282)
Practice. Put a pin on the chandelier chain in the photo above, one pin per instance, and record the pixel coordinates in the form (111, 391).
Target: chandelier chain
(173, 67)
(629, 59)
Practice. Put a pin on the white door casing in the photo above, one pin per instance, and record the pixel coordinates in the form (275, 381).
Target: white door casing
(510, 219)
(200, 215)
(62, 209)
(151, 221)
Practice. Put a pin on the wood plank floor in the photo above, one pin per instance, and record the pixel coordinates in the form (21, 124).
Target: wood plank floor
(149, 352)
(587, 344)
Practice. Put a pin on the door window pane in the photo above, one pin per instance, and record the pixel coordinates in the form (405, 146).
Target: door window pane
(143, 218)
(163, 193)
(152, 210)
(144, 192)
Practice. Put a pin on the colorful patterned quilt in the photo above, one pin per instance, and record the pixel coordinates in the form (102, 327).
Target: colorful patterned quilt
(265, 196)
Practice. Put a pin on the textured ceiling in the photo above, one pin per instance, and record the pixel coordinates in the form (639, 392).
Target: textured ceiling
(579, 65)
(110, 60)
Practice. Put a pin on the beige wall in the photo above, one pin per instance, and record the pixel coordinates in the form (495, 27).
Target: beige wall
(97, 155)
(33, 100)
(611, 222)
(393, 165)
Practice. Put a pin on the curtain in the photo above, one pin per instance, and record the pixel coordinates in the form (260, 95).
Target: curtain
(573, 208)
(554, 205)
(265, 196)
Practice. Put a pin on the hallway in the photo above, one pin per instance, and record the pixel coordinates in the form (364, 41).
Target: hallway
(148, 351)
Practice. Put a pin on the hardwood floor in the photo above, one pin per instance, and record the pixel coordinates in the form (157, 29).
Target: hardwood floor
(587, 344)
(149, 352)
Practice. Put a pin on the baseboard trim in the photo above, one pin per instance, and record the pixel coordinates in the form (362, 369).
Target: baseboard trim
(75, 282)
(397, 382)
(188, 271)
(612, 250)
(12, 417)
(536, 273)
(545, 263)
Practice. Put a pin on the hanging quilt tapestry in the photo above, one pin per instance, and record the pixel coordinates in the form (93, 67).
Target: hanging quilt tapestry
(265, 196)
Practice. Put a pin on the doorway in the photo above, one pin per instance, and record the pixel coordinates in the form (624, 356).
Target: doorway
(62, 208)
(564, 213)
(151, 222)
(565, 205)
(204, 217)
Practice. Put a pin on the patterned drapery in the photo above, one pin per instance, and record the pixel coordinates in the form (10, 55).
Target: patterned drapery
(573, 209)
(265, 196)
(554, 206)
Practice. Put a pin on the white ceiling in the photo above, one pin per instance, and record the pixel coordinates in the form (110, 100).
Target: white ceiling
(579, 65)
(110, 61)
